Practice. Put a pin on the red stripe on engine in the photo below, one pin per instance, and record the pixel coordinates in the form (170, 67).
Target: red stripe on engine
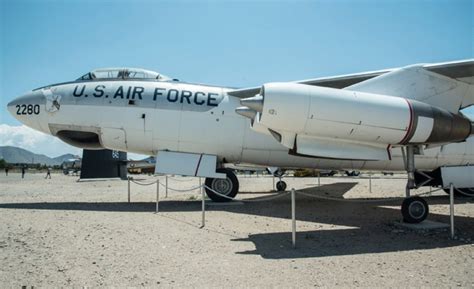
(410, 125)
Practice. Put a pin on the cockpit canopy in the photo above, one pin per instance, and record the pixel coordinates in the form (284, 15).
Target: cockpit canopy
(123, 73)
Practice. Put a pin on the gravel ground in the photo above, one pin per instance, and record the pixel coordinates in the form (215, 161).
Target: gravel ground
(61, 232)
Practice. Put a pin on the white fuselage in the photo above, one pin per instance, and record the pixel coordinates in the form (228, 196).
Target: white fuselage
(148, 116)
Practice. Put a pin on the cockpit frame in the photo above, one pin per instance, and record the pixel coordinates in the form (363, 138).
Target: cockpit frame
(122, 74)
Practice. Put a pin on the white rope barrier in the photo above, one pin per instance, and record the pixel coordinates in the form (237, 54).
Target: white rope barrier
(181, 179)
(181, 191)
(143, 184)
(282, 194)
(202, 187)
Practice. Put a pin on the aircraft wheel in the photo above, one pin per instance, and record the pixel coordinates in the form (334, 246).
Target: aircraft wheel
(414, 210)
(228, 187)
(352, 173)
(281, 186)
(466, 192)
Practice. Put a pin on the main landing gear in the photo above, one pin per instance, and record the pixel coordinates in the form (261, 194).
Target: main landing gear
(414, 209)
(228, 187)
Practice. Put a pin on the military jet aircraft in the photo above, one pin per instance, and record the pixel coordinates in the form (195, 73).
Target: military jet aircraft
(401, 119)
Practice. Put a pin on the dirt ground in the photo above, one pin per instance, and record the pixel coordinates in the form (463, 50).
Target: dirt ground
(61, 232)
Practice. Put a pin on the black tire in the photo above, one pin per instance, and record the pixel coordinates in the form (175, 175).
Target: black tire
(352, 173)
(414, 210)
(462, 192)
(281, 186)
(228, 187)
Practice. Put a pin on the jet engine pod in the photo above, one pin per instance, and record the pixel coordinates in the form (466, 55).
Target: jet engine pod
(354, 116)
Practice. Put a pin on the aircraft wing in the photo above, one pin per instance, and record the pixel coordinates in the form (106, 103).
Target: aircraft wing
(460, 70)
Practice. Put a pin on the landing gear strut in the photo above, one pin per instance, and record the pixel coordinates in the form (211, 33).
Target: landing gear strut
(280, 185)
(414, 209)
(228, 187)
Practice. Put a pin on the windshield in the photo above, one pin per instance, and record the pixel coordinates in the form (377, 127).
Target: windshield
(123, 73)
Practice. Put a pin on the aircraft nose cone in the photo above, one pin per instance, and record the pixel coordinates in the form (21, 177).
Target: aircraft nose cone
(11, 107)
(27, 108)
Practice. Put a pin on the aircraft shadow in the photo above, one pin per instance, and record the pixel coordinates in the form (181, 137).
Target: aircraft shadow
(372, 223)
(184, 206)
(341, 242)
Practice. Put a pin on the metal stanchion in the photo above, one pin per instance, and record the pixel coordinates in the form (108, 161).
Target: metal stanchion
(370, 183)
(200, 182)
(319, 178)
(274, 183)
(203, 208)
(166, 184)
(129, 190)
(293, 218)
(451, 208)
(157, 194)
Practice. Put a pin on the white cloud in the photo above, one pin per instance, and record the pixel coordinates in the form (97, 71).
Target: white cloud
(34, 141)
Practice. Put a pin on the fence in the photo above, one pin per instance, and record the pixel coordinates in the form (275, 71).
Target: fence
(292, 192)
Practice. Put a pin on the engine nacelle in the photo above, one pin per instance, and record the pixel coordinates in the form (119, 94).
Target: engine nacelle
(296, 109)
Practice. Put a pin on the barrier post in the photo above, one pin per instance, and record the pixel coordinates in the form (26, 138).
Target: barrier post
(274, 183)
(157, 194)
(129, 190)
(166, 184)
(200, 182)
(451, 208)
(319, 178)
(370, 183)
(293, 218)
(203, 208)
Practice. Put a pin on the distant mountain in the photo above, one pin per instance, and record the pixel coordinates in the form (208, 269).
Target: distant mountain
(65, 157)
(18, 155)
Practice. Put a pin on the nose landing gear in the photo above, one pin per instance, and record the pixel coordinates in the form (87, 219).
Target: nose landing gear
(280, 185)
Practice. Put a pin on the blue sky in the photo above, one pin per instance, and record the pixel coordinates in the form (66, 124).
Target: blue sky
(230, 43)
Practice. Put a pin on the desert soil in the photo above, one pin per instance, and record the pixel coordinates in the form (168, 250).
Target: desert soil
(61, 232)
